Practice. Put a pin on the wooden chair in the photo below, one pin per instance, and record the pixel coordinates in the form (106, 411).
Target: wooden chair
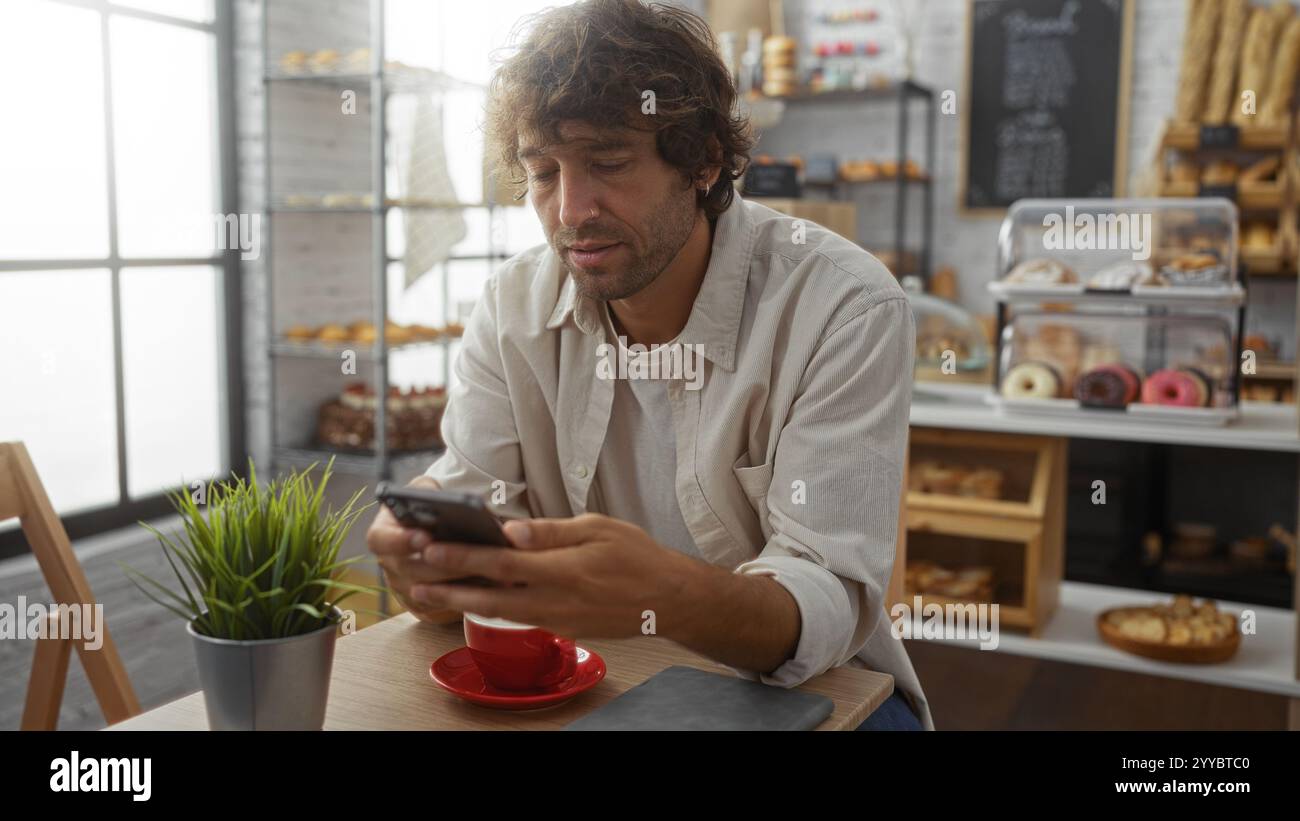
(23, 496)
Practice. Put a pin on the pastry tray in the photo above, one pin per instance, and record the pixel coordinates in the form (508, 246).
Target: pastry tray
(1214, 653)
(1137, 412)
(1020, 292)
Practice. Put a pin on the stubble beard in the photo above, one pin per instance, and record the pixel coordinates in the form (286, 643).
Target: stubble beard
(669, 228)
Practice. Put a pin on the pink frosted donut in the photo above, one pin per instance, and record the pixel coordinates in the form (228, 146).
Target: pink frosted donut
(1132, 384)
(1173, 387)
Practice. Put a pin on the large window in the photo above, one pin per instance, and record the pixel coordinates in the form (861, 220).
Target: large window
(115, 317)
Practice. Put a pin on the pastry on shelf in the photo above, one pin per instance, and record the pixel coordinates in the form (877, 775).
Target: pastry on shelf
(955, 480)
(1265, 170)
(1177, 387)
(300, 333)
(1061, 347)
(398, 334)
(1041, 271)
(357, 61)
(1196, 269)
(1125, 274)
(453, 329)
(1185, 170)
(425, 333)
(413, 418)
(333, 333)
(324, 61)
(1183, 630)
(1259, 235)
(293, 62)
(1107, 386)
(973, 583)
(1258, 343)
(1220, 172)
(859, 171)
(1032, 380)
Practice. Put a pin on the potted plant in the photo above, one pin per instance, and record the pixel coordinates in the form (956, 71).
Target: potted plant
(259, 583)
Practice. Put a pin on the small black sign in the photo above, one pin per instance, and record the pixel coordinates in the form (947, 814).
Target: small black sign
(1220, 136)
(1228, 191)
(773, 180)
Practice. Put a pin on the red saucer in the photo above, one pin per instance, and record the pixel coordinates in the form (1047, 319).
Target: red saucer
(457, 673)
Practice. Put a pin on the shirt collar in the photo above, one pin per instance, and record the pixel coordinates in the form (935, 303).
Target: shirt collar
(714, 321)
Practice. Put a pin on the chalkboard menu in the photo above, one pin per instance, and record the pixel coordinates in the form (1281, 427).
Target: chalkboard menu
(1046, 104)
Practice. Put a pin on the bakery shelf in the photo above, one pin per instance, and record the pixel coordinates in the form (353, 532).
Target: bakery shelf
(1250, 196)
(1015, 531)
(374, 200)
(394, 80)
(1264, 664)
(1265, 262)
(1187, 137)
(1017, 293)
(1261, 426)
(365, 351)
(1271, 369)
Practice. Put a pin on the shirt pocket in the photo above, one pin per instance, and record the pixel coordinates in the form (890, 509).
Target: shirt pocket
(755, 481)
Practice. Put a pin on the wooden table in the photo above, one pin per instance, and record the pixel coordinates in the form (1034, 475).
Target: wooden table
(381, 682)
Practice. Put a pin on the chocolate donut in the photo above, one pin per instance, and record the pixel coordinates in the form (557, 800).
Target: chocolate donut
(1101, 388)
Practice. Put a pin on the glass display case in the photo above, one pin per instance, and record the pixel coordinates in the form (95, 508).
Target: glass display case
(949, 340)
(1119, 306)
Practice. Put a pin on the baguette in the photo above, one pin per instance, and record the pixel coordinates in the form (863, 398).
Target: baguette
(1277, 106)
(1198, 50)
(1256, 62)
(1223, 77)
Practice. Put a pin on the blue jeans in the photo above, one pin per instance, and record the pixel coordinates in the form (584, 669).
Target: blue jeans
(894, 714)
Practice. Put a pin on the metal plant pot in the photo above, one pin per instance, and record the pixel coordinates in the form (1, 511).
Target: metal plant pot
(270, 684)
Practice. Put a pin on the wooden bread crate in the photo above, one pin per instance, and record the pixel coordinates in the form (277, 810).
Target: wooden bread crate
(1019, 535)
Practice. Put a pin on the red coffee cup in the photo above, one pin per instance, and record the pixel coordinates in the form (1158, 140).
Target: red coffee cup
(513, 656)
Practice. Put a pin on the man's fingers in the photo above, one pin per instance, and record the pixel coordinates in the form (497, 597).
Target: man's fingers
(414, 569)
(502, 564)
(387, 537)
(512, 603)
(543, 534)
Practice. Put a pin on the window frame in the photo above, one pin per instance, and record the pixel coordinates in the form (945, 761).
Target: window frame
(126, 511)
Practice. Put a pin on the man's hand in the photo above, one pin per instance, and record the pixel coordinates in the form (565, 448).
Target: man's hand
(398, 550)
(593, 576)
(590, 576)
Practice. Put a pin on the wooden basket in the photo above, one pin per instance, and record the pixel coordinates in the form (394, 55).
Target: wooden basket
(1215, 653)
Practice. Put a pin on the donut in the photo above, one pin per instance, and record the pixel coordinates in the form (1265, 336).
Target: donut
(1203, 383)
(1042, 271)
(1180, 388)
(1132, 382)
(1108, 386)
(1031, 380)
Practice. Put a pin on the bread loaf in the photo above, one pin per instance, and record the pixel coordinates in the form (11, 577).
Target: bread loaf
(1227, 57)
(1198, 52)
(1256, 62)
(1286, 68)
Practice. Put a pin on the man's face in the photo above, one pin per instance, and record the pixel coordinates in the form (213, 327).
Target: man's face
(614, 212)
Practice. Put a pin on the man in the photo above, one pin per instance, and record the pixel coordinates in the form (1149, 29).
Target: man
(744, 497)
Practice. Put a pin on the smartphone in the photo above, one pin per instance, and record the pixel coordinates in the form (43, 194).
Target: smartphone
(448, 516)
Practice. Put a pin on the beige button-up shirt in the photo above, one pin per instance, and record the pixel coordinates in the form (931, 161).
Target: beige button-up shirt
(789, 453)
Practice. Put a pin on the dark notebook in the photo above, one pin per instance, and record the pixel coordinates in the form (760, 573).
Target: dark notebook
(683, 698)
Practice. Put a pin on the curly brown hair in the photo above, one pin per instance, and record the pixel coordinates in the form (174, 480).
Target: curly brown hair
(591, 62)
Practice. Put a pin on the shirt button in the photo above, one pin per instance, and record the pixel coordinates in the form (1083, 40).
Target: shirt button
(582, 472)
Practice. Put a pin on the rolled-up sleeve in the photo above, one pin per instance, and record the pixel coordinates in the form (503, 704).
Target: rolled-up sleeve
(834, 497)
(478, 426)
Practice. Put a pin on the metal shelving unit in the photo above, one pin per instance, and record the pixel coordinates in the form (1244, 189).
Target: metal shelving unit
(380, 83)
(903, 94)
